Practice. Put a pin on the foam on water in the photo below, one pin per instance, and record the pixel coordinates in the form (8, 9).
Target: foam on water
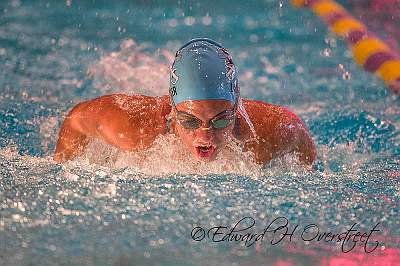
(168, 155)
(132, 71)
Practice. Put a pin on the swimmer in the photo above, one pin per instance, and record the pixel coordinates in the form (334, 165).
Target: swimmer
(204, 109)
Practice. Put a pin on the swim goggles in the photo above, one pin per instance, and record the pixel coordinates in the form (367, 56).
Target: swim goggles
(220, 121)
(191, 122)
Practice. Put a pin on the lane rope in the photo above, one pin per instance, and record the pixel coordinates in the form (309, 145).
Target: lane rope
(369, 51)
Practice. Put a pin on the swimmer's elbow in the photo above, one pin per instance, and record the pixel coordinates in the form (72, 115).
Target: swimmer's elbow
(60, 157)
(57, 157)
(69, 146)
(71, 140)
(306, 149)
(308, 156)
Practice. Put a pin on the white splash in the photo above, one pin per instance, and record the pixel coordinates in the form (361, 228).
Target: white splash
(132, 71)
(168, 155)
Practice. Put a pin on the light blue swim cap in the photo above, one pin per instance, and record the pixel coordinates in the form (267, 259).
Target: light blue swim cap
(203, 70)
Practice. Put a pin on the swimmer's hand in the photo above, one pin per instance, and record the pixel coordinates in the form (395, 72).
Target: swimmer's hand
(129, 123)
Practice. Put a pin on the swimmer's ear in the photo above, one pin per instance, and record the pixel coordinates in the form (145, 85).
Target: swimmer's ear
(170, 121)
(172, 125)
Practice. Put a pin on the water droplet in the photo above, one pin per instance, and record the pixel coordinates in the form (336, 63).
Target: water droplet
(346, 75)
(189, 21)
(327, 52)
(172, 23)
(206, 20)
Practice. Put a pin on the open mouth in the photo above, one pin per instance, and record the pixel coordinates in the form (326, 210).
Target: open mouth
(205, 152)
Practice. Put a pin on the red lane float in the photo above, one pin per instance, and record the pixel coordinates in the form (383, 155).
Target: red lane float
(373, 54)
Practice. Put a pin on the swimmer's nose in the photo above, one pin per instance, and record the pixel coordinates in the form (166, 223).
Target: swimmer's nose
(205, 133)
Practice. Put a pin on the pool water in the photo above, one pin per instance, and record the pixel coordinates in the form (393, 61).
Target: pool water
(115, 208)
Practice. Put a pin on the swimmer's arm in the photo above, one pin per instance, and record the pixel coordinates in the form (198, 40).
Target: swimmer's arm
(72, 141)
(296, 137)
(103, 119)
(304, 145)
(288, 136)
(279, 132)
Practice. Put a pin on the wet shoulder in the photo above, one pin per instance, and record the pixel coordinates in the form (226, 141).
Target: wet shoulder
(135, 103)
(132, 104)
(264, 112)
(272, 123)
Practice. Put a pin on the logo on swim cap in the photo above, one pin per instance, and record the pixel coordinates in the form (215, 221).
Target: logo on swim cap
(203, 70)
(174, 77)
(172, 91)
(230, 66)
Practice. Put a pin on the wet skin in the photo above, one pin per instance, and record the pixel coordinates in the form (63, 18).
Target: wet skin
(131, 123)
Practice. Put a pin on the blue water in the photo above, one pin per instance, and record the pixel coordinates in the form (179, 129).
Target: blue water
(85, 213)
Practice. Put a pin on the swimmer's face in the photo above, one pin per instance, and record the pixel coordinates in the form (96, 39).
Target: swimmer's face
(204, 125)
